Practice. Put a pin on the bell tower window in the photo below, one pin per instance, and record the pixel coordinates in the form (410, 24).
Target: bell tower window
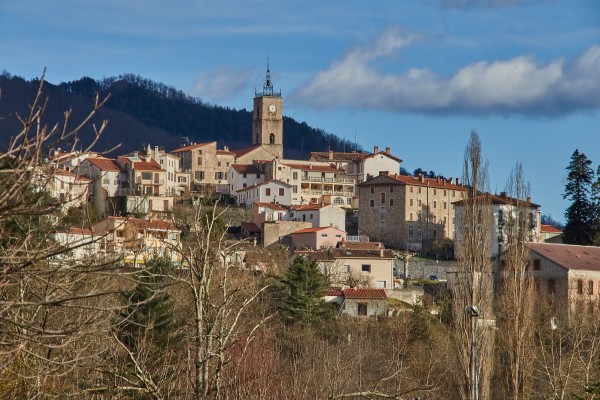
(272, 138)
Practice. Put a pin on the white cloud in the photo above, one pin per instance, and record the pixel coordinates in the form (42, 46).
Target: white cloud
(517, 86)
(220, 83)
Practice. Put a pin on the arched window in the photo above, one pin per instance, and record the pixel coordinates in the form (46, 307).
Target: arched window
(272, 138)
(338, 200)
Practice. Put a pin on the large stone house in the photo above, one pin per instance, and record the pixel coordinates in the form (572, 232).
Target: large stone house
(563, 274)
(407, 212)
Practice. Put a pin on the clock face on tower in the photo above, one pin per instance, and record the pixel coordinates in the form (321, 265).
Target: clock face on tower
(272, 108)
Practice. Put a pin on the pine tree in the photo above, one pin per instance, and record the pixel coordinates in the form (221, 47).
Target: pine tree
(581, 213)
(303, 288)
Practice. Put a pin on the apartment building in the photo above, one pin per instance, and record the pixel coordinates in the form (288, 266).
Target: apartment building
(503, 210)
(408, 212)
(273, 191)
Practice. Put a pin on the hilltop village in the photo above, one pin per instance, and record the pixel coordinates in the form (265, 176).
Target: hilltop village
(350, 209)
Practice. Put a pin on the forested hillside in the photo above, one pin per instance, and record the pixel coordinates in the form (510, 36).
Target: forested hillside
(141, 112)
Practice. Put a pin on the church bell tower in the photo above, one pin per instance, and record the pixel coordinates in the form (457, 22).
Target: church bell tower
(267, 118)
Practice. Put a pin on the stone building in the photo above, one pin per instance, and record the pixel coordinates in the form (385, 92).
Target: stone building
(407, 212)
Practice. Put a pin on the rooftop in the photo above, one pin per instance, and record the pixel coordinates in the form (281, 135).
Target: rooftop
(569, 256)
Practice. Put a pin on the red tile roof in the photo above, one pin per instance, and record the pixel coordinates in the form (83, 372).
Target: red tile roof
(333, 292)
(549, 229)
(502, 199)
(416, 181)
(338, 156)
(246, 150)
(104, 164)
(191, 147)
(153, 225)
(317, 229)
(64, 172)
(309, 207)
(365, 293)
(225, 153)
(568, 256)
(73, 230)
(272, 206)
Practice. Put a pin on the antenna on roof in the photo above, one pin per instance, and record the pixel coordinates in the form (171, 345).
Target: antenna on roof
(355, 142)
(187, 139)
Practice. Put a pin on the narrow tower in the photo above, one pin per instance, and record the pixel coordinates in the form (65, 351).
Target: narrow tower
(267, 118)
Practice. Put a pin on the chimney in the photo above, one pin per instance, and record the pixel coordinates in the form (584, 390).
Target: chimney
(381, 252)
(330, 154)
(421, 178)
(503, 194)
(528, 199)
(385, 173)
(375, 150)
(458, 181)
(387, 150)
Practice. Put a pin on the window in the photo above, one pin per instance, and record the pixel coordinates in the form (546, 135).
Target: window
(244, 176)
(410, 202)
(445, 205)
(419, 190)
(453, 194)
(147, 176)
(200, 175)
(366, 268)
(382, 197)
(218, 163)
(591, 288)
(267, 192)
(411, 189)
(150, 205)
(381, 284)
(338, 200)
(391, 202)
(418, 216)
(310, 216)
(200, 152)
(346, 268)
(579, 286)
(199, 160)
(419, 234)
(537, 264)
(391, 189)
(435, 233)
(411, 216)
(165, 205)
(244, 185)
(372, 189)
(323, 235)
(410, 232)
(295, 175)
(444, 192)
(361, 309)
(434, 204)
(372, 203)
(281, 191)
(551, 286)
(420, 203)
(434, 192)
(272, 138)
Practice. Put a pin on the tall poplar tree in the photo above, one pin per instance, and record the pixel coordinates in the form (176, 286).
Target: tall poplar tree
(580, 214)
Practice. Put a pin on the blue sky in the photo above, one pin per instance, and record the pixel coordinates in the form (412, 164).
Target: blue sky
(415, 75)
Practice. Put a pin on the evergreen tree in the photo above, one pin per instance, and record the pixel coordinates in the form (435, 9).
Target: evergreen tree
(581, 213)
(303, 288)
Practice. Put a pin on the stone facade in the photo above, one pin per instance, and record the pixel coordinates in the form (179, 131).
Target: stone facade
(407, 212)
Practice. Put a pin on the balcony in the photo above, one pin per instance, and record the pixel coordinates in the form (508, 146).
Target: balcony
(149, 182)
(347, 181)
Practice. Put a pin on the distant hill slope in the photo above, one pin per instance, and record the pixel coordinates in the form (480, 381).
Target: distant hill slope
(141, 112)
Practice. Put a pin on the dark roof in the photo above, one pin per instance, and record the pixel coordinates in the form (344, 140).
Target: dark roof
(246, 168)
(332, 254)
(502, 199)
(250, 227)
(569, 256)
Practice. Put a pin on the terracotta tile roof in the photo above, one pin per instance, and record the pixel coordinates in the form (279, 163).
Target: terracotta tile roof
(225, 153)
(246, 169)
(191, 147)
(312, 167)
(333, 254)
(250, 227)
(438, 183)
(309, 207)
(365, 293)
(272, 206)
(333, 292)
(568, 256)
(247, 150)
(104, 164)
(383, 153)
(316, 229)
(153, 225)
(549, 229)
(262, 184)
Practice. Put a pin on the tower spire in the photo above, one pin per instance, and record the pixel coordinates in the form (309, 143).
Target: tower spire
(268, 86)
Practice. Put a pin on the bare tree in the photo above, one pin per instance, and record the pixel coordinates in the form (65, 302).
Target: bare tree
(473, 283)
(516, 290)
